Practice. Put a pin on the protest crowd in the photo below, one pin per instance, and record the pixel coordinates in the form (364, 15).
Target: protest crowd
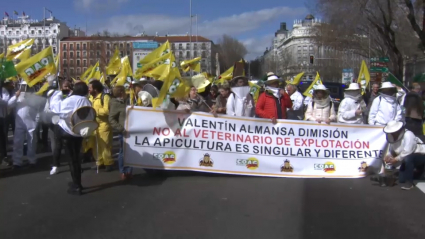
(29, 108)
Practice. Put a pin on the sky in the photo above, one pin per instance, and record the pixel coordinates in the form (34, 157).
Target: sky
(251, 22)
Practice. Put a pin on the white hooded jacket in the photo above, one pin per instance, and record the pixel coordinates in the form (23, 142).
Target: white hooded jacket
(347, 111)
(237, 103)
(384, 109)
(408, 145)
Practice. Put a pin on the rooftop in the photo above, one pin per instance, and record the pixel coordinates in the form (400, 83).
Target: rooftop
(160, 39)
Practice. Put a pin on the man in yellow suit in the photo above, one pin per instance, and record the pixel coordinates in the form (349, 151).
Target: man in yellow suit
(103, 135)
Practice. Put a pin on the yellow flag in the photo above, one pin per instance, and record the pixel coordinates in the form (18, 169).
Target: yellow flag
(2, 55)
(114, 65)
(158, 69)
(20, 50)
(57, 62)
(74, 80)
(296, 80)
(157, 53)
(255, 90)
(86, 73)
(103, 78)
(364, 77)
(170, 86)
(43, 88)
(125, 73)
(95, 73)
(194, 64)
(314, 84)
(228, 75)
(34, 69)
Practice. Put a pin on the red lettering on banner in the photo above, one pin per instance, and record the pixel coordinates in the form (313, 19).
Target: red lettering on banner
(227, 136)
(204, 134)
(297, 142)
(256, 140)
(287, 142)
(197, 133)
(178, 133)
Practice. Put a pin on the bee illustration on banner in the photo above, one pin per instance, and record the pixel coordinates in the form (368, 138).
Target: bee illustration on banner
(206, 161)
(287, 167)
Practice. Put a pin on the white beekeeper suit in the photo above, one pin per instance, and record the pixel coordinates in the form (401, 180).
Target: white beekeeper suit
(27, 108)
(352, 102)
(385, 108)
(297, 105)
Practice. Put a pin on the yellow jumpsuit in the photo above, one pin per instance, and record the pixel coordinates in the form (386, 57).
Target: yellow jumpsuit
(103, 135)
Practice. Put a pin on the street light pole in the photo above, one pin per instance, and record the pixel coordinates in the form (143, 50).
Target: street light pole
(190, 34)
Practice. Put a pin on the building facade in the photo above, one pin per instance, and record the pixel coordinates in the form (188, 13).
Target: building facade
(45, 33)
(298, 50)
(78, 53)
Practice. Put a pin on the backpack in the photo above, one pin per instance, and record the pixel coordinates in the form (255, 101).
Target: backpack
(102, 97)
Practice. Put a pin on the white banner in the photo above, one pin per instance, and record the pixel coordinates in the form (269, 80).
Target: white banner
(174, 140)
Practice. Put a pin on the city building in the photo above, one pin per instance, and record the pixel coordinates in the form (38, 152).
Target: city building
(46, 32)
(78, 53)
(298, 50)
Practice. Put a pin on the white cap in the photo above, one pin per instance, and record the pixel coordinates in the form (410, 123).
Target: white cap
(353, 86)
(387, 85)
(145, 97)
(393, 126)
(321, 87)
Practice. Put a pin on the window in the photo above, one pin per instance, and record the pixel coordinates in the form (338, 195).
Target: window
(91, 54)
(195, 46)
(195, 54)
(64, 71)
(128, 53)
(64, 47)
(84, 69)
(71, 54)
(78, 54)
(204, 46)
(71, 47)
(71, 62)
(92, 62)
(98, 45)
(78, 62)
(108, 46)
(128, 45)
(311, 48)
(121, 45)
(47, 32)
(78, 70)
(188, 54)
(54, 31)
(180, 46)
(10, 32)
(71, 71)
(32, 32)
(39, 31)
(65, 63)
(180, 54)
(108, 53)
(78, 46)
(204, 54)
(17, 32)
(84, 46)
(84, 63)
(121, 53)
(64, 55)
(91, 46)
(98, 53)
(115, 45)
(84, 54)
(305, 48)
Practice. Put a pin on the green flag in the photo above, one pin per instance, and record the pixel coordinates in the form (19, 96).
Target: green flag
(391, 78)
(7, 69)
(419, 78)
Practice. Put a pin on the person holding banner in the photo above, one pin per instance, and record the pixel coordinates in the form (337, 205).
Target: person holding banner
(385, 107)
(240, 103)
(272, 104)
(321, 108)
(352, 106)
(404, 148)
(221, 101)
(117, 116)
(297, 110)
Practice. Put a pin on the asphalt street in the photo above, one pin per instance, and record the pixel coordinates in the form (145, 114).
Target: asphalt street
(199, 205)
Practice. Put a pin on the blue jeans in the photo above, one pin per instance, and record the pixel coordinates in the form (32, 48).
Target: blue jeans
(410, 162)
(123, 169)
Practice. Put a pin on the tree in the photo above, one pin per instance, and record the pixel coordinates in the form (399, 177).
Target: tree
(383, 22)
(255, 68)
(230, 51)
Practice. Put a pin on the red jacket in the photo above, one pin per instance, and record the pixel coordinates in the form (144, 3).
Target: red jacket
(266, 106)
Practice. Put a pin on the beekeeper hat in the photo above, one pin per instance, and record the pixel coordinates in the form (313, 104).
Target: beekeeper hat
(83, 121)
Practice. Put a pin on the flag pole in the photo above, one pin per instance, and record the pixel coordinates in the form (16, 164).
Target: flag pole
(44, 27)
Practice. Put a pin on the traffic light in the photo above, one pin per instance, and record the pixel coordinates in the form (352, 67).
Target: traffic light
(311, 59)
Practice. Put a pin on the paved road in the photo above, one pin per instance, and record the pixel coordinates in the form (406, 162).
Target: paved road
(197, 205)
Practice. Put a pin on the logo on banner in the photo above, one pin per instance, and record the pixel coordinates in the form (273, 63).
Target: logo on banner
(363, 167)
(168, 157)
(206, 161)
(327, 167)
(287, 167)
(250, 163)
